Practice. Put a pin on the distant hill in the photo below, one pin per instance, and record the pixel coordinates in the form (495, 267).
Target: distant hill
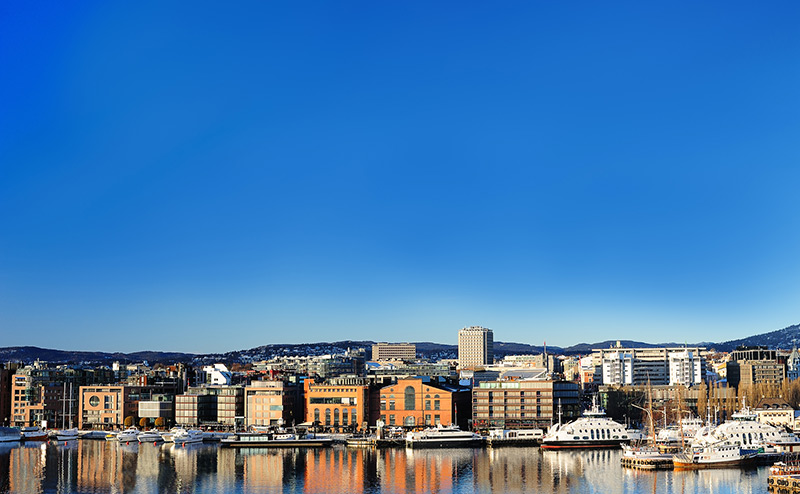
(783, 338)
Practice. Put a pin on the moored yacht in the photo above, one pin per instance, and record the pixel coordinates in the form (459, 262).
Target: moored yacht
(151, 436)
(10, 434)
(441, 436)
(33, 434)
(128, 435)
(593, 430)
(183, 436)
(67, 434)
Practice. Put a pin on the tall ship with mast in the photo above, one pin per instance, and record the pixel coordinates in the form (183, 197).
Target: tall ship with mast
(593, 430)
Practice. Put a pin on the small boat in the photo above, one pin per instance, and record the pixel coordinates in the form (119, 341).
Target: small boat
(720, 455)
(128, 435)
(360, 441)
(275, 440)
(92, 434)
(168, 436)
(33, 434)
(111, 436)
(785, 468)
(442, 436)
(10, 434)
(183, 436)
(151, 436)
(67, 435)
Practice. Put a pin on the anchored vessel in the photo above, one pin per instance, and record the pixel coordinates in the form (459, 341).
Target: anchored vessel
(443, 437)
(274, 440)
(720, 455)
(593, 430)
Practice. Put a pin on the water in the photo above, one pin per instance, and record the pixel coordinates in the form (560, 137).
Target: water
(100, 466)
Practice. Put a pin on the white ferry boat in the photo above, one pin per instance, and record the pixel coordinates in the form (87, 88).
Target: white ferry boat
(443, 436)
(689, 427)
(745, 430)
(593, 430)
(514, 437)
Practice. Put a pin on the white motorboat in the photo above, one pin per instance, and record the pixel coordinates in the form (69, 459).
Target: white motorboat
(183, 436)
(67, 434)
(683, 432)
(128, 435)
(443, 437)
(151, 436)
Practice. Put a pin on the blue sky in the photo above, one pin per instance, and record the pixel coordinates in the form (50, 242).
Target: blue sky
(205, 177)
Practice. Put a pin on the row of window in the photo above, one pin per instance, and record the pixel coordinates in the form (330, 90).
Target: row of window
(411, 421)
(332, 418)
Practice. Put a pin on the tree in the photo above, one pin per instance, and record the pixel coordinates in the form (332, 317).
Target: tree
(128, 421)
(143, 422)
(702, 400)
(160, 422)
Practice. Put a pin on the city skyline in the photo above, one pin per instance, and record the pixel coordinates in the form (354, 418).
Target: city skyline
(187, 177)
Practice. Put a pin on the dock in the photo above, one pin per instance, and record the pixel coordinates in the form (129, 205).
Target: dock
(648, 463)
(784, 484)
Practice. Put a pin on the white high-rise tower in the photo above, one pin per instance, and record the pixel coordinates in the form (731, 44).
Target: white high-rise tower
(475, 346)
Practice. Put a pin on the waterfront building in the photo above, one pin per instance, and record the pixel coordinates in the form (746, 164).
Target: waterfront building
(394, 351)
(107, 406)
(273, 403)
(159, 406)
(7, 372)
(339, 403)
(475, 347)
(210, 405)
(775, 411)
(524, 403)
(413, 402)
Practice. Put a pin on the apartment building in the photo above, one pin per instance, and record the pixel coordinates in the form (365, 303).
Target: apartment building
(524, 404)
(636, 366)
(107, 406)
(273, 403)
(210, 405)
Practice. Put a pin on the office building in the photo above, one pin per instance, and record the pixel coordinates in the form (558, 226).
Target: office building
(394, 351)
(475, 347)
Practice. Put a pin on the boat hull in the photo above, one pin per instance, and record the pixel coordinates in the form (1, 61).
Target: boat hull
(446, 443)
(278, 443)
(681, 463)
(583, 444)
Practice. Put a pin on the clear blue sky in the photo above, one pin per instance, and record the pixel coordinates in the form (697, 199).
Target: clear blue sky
(207, 176)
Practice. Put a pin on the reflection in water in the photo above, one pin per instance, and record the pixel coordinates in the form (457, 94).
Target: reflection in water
(100, 466)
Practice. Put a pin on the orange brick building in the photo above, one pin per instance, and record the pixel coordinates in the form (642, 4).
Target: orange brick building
(412, 402)
(338, 404)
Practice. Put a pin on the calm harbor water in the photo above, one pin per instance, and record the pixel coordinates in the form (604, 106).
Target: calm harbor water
(99, 466)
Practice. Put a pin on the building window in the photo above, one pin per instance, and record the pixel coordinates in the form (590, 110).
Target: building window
(427, 404)
(436, 404)
(391, 419)
(316, 415)
(410, 398)
(383, 404)
(336, 417)
(344, 417)
(391, 404)
(410, 421)
(353, 417)
(327, 416)
(437, 419)
(94, 401)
